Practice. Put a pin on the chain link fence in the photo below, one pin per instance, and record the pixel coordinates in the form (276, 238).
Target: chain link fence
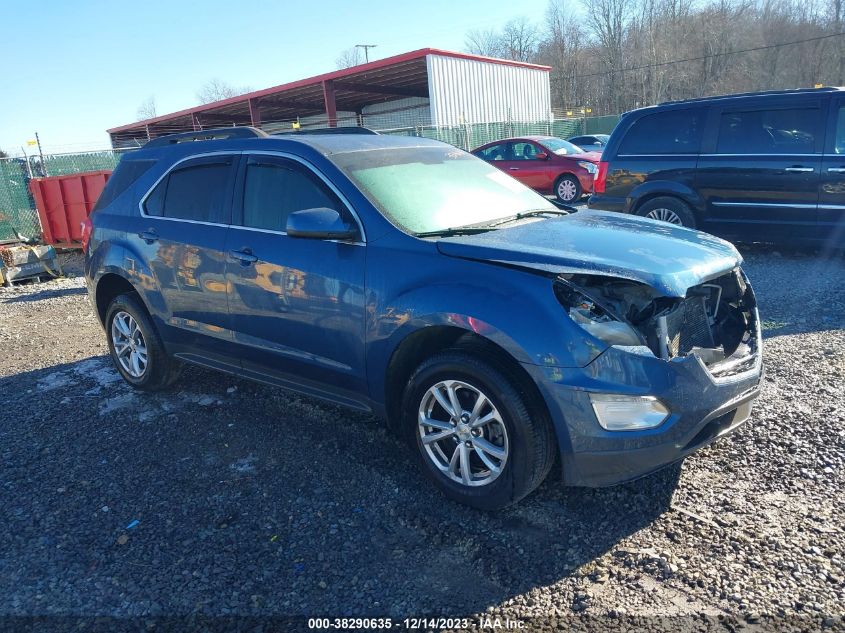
(18, 216)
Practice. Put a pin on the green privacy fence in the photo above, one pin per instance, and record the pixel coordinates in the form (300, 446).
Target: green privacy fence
(471, 135)
(17, 208)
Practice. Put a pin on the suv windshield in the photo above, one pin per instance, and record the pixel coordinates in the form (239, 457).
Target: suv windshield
(561, 147)
(429, 189)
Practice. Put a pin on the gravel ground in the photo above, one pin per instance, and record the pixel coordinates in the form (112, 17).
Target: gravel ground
(254, 502)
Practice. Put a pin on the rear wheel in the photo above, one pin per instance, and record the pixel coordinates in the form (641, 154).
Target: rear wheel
(668, 209)
(135, 346)
(568, 189)
(476, 434)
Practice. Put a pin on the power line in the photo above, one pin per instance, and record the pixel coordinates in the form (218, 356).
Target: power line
(712, 55)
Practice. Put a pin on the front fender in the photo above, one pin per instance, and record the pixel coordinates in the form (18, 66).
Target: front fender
(523, 318)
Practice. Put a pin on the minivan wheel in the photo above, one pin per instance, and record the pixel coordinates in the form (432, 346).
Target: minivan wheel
(567, 188)
(135, 346)
(474, 432)
(668, 209)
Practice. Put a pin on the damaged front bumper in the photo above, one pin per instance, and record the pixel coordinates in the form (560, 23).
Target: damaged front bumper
(704, 404)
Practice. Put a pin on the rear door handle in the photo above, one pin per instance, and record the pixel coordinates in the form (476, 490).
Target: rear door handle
(244, 256)
(802, 170)
(514, 168)
(149, 236)
(836, 170)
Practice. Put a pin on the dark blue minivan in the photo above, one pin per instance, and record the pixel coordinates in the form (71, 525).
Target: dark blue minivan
(753, 167)
(408, 278)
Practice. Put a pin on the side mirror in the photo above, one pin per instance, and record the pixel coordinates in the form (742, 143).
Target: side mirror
(320, 224)
(541, 156)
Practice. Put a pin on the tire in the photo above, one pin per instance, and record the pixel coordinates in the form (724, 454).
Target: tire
(568, 185)
(158, 371)
(668, 209)
(520, 438)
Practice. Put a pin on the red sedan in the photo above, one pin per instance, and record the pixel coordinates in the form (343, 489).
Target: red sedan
(547, 164)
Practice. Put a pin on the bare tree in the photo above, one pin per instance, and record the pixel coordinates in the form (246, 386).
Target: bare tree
(350, 57)
(520, 39)
(563, 48)
(147, 110)
(217, 90)
(487, 42)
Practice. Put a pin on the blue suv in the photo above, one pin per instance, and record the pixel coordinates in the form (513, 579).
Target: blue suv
(404, 277)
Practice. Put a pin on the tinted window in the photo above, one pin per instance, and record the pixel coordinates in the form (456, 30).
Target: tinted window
(126, 173)
(273, 191)
(195, 192)
(494, 152)
(669, 132)
(839, 139)
(768, 132)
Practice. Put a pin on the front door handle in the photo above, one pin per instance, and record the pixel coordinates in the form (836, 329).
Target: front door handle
(836, 170)
(514, 168)
(149, 236)
(800, 170)
(244, 256)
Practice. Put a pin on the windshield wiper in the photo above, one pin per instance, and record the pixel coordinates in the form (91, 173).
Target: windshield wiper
(458, 230)
(527, 214)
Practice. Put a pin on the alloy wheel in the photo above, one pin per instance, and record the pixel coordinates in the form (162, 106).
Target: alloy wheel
(130, 348)
(665, 215)
(462, 433)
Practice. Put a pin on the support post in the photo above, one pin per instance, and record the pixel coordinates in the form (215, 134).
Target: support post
(254, 113)
(331, 105)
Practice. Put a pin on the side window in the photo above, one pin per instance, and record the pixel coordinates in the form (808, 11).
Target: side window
(272, 191)
(494, 152)
(839, 138)
(524, 151)
(195, 192)
(668, 132)
(790, 131)
(581, 140)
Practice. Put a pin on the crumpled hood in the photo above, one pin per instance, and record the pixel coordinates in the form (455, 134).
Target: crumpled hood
(668, 258)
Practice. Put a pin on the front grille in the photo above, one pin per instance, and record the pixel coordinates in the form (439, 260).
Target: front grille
(688, 326)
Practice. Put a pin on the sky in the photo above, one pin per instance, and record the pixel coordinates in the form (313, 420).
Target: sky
(73, 68)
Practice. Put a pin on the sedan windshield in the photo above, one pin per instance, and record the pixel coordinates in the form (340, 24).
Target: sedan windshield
(430, 189)
(561, 147)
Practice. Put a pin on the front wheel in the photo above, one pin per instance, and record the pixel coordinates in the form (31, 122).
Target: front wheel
(135, 346)
(568, 189)
(477, 437)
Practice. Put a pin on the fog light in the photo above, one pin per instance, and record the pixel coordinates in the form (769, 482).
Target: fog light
(628, 413)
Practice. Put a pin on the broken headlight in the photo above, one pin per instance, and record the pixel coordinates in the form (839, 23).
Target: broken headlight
(594, 318)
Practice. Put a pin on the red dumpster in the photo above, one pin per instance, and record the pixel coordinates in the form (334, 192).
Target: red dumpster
(63, 202)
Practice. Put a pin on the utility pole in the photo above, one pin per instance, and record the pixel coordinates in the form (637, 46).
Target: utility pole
(41, 155)
(366, 48)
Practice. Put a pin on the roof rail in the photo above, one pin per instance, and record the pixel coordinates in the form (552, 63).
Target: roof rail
(349, 129)
(214, 134)
(761, 93)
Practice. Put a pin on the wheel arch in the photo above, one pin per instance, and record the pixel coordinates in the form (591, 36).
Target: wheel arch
(424, 343)
(109, 286)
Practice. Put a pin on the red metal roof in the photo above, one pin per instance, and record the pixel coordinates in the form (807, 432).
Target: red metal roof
(405, 79)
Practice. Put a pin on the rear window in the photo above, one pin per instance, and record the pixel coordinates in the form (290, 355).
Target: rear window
(668, 132)
(790, 131)
(124, 175)
(195, 193)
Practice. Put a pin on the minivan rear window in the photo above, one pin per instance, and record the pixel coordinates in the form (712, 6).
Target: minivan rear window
(667, 132)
